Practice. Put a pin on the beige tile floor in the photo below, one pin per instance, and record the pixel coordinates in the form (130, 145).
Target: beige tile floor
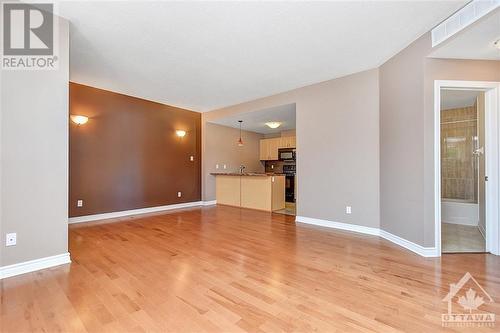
(461, 238)
(289, 209)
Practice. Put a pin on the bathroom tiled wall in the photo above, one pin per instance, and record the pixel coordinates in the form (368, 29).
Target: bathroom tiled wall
(458, 165)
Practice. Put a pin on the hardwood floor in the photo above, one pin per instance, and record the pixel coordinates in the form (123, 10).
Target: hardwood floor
(234, 270)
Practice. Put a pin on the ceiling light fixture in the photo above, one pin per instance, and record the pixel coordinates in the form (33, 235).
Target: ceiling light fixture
(497, 44)
(273, 124)
(240, 140)
(79, 120)
(180, 133)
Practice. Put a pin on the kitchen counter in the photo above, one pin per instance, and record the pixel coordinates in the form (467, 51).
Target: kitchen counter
(262, 191)
(251, 174)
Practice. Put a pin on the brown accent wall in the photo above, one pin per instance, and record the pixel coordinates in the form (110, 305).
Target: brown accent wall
(128, 156)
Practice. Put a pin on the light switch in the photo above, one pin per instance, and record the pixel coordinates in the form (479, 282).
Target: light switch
(216, 166)
(191, 158)
(79, 203)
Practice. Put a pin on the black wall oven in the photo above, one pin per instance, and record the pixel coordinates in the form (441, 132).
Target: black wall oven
(289, 171)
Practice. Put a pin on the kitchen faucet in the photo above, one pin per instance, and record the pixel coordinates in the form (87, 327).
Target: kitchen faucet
(242, 167)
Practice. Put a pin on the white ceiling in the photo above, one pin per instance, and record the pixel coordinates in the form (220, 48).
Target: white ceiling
(256, 121)
(206, 55)
(474, 42)
(454, 99)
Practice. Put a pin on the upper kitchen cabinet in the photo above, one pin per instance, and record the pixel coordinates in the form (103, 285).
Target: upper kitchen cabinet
(269, 147)
(287, 142)
(264, 150)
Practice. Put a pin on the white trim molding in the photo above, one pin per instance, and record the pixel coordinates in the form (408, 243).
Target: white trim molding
(428, 252)
(339, 225)
(416, 248)
(34, 265)
(123, 213)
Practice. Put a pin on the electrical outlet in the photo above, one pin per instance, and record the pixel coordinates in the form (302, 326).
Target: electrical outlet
(79, 203)
(216, 166)
(11, 239)
(224, 166)
(191, 158)
(348, 210)
(179, 194)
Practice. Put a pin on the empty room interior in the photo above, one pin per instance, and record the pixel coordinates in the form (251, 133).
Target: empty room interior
(245, 166)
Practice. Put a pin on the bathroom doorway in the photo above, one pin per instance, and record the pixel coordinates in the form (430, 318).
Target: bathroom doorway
(462, 171)
(466, 167)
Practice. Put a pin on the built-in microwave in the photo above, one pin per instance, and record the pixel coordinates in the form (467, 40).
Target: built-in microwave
(286, 154)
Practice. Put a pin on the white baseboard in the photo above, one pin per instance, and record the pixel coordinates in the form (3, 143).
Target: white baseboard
(418, 249)
(427, 252)
(338, 225)
(34, 265)
(104, 216)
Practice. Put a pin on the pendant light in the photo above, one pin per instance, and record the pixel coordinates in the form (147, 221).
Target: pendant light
(240, 140)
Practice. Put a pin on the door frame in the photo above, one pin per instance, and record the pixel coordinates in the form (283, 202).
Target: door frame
(492, 146)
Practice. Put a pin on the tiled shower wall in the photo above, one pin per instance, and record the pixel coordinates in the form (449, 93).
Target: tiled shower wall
(459, 167)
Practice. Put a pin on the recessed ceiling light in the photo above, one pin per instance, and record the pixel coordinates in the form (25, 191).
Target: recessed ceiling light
(273, 124)
(497, 44)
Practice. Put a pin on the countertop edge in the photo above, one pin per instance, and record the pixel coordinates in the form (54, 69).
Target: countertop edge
(246, 174)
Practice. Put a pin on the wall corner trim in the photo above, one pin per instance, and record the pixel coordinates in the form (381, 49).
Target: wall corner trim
(123, 213)
(416, 248)
(34, 265)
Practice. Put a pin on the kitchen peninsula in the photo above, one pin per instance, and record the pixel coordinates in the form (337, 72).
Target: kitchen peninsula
(262, 191)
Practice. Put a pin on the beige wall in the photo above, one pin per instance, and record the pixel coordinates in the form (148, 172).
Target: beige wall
(221, 148)
(337, 146)
(407, 135)
(34, 159)
(441, 69)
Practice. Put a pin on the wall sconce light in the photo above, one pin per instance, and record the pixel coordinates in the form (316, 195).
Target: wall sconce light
(79, 120)
(180, 133)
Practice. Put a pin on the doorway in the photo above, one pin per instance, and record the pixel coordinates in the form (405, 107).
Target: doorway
(463, 227)
(466, 167)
